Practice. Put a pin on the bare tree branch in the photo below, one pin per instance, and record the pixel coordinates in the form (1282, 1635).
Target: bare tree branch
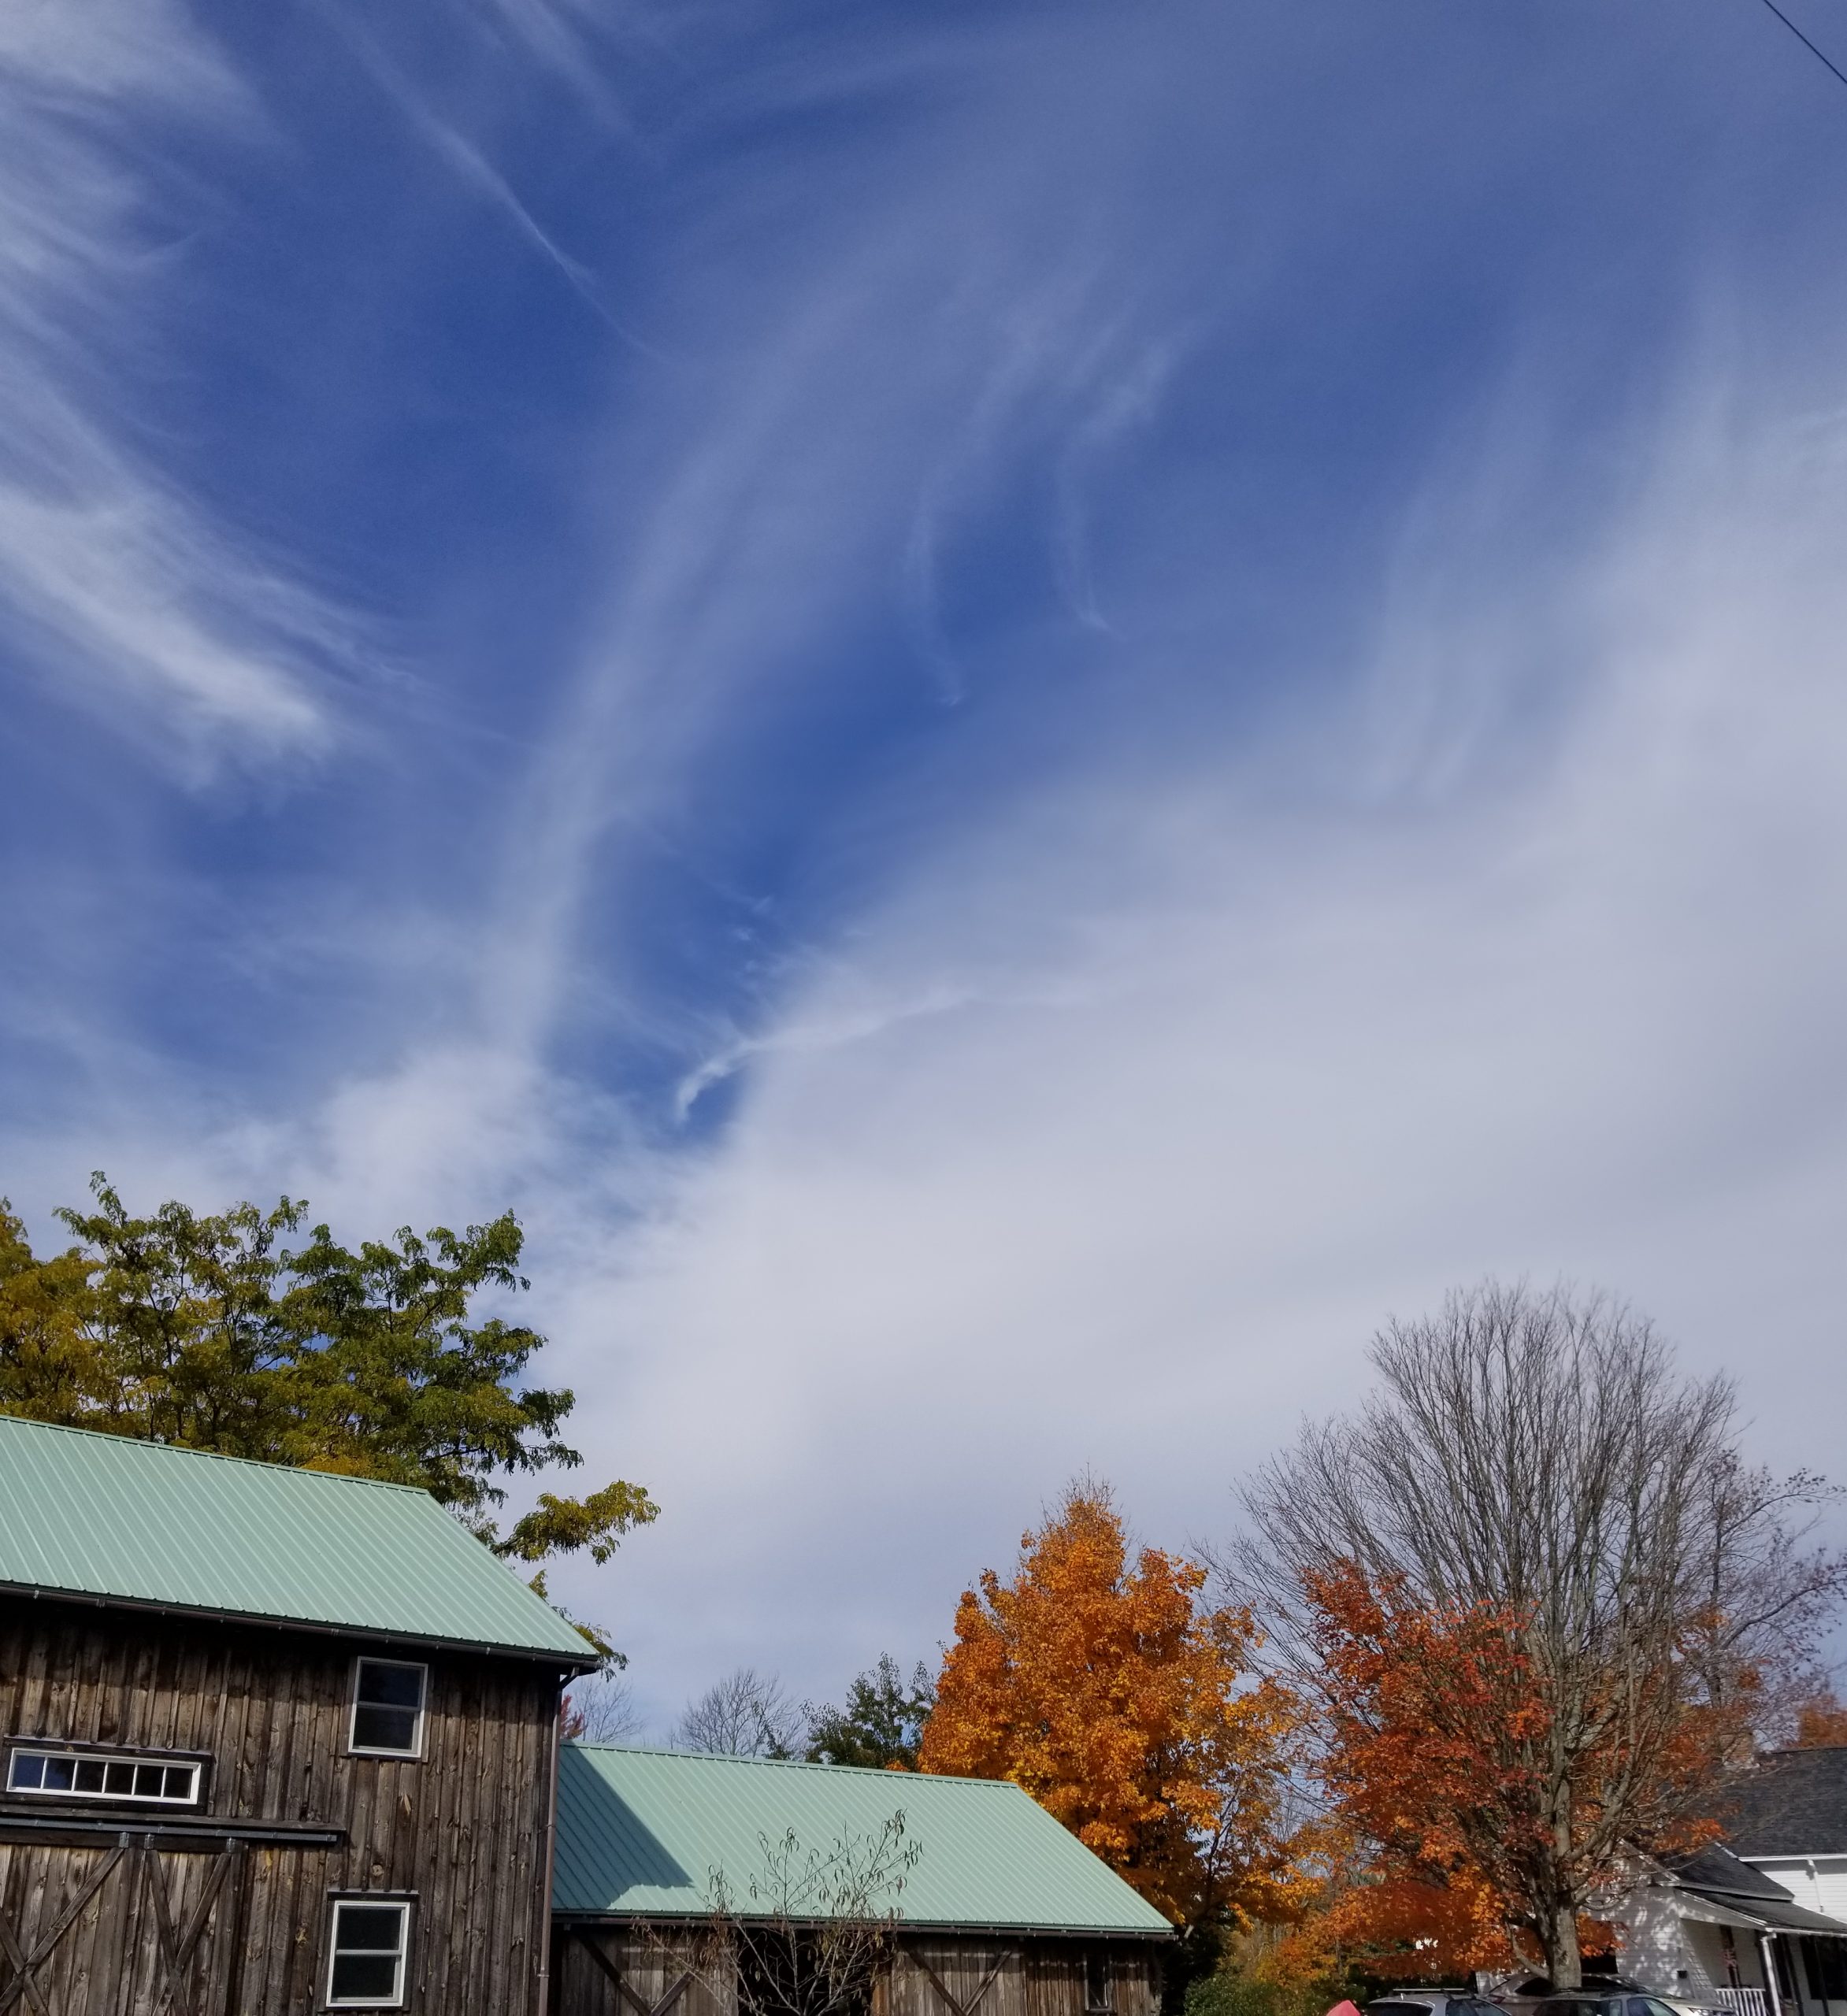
(811, 1931)
(745, 1715)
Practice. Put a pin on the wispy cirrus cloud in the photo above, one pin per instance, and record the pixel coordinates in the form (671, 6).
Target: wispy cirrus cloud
(130, 595)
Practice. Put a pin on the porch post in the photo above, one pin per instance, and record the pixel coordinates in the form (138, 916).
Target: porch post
(1766, 1959)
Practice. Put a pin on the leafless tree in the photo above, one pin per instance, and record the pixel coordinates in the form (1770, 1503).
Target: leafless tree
(810, 1932)
(745, 1715)
(1537, 1452)
(601, 1709)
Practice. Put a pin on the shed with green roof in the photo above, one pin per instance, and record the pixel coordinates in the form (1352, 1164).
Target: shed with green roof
(673, 1867)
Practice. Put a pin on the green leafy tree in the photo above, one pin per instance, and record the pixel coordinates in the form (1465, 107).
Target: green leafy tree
(881, 1723)
(206, 1331)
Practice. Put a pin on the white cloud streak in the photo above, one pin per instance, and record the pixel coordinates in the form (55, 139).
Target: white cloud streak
(122, 588)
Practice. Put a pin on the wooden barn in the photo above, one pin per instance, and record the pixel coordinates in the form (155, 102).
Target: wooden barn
(271, 1742)
(1000, 1912)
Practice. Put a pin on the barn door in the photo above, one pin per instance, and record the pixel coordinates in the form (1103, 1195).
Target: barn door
(171, 1967)
(25, 1958)
(147, 1954)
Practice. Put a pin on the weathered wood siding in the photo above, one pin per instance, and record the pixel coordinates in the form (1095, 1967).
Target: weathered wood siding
(976, 1974)
(463, 1830)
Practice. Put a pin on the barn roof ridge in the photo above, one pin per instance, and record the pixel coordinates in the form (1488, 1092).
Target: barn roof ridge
(152, 1442)
(801, 1764)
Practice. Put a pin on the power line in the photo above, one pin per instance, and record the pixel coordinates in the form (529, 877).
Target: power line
(1801, 38)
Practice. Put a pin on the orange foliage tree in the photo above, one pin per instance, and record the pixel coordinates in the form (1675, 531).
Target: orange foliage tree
(1107, 1690)
(1442, 1752)
(1821, 1723)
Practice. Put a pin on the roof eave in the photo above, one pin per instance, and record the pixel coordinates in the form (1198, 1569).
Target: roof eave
(957, 1928)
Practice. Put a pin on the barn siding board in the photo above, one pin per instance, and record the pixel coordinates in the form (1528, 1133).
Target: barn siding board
(1038, 1976)
(462, 1830)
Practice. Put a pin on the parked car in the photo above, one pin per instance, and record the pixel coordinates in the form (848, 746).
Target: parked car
(1433, 2001)
(1603, 1999)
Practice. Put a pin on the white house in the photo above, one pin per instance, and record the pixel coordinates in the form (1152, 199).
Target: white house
(1758, 1925)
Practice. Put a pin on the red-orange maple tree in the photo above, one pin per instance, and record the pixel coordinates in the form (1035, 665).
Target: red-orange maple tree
(1441, 1754)
(1106, 1688)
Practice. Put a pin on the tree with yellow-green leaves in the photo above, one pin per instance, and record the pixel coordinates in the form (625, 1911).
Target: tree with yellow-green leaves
(208, 1331)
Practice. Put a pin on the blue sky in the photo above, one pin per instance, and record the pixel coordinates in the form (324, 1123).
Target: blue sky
(1016, 710)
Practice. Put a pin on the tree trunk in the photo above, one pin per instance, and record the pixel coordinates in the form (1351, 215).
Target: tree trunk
(1563, 1962)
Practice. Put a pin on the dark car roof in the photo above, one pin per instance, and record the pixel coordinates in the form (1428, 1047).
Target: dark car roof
(1793, 1803)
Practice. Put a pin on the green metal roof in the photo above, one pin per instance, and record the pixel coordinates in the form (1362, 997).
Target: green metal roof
(642, 1833)
(107, 1516)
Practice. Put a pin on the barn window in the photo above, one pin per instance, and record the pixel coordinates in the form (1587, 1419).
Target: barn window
(1098, 1985)
(120, 1777)
(369, 1945)
(387, 1708)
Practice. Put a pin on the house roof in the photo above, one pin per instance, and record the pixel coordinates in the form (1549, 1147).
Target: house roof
(1715, 1868)
(113, 1519)
(1739, 1895)
(1794, 1803)
(646, 1833)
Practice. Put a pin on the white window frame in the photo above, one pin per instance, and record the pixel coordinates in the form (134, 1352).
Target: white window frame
(404, 1902)
(80, 1753)
(358, 1749)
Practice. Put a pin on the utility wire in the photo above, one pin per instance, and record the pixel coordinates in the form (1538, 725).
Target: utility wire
(1801, 38)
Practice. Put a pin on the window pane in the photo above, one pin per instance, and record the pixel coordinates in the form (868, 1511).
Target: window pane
(363, 1977)
(122, 1778)
(385, 1728)
(393, 1687)
(369, 1928)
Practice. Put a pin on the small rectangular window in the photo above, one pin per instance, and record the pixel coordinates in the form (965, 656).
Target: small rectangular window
(1098, 1987)
(369, 1946)
(387, 1708)
(49, 1771)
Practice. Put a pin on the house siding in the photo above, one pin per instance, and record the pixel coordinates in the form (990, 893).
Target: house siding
(1818, 1882)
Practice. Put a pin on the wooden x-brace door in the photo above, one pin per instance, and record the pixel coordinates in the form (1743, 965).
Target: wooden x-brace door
(22, 1983)
(176, 1946)
(958, 2008)
(636, 2003)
